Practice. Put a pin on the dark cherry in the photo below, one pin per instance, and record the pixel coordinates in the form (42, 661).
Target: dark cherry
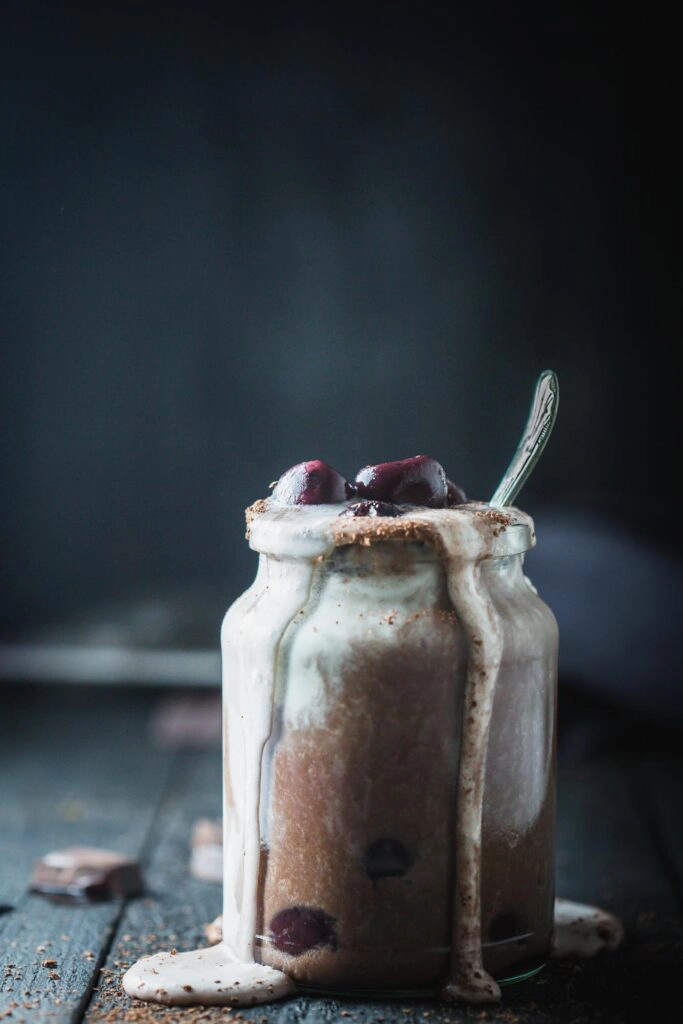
(416, 481)
(387, 858)
(454, 494)
(296, 929)
(312, 483)
(372, 508)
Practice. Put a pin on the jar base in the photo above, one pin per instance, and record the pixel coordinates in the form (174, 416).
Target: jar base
(408, 993)
(515, 979)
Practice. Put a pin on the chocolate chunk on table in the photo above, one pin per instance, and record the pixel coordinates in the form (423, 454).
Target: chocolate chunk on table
(86, 872)
(206, 859)
(214, 930)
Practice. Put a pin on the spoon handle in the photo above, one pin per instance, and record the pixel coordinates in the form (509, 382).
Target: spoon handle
(541, 419)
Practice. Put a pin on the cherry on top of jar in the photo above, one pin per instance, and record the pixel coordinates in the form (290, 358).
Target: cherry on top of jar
(418, 481)
(312, 483)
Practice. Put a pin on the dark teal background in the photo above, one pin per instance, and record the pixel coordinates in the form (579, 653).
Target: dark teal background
(233, 241)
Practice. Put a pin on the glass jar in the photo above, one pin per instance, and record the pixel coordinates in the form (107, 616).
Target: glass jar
(345, 670)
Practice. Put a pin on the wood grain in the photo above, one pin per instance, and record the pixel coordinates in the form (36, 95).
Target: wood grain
(78, 770)
(74, 769)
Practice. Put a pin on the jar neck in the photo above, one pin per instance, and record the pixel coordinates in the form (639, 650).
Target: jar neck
(388, 558)
(389, 564)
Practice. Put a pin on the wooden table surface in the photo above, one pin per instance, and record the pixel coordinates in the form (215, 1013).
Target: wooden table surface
(77, 767)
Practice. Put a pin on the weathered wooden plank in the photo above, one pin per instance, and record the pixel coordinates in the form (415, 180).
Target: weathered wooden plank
(74, 770)
(605, 855)
(178, 907)
(608, 853)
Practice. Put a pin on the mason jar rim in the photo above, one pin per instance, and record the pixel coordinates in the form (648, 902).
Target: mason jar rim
(313, 532)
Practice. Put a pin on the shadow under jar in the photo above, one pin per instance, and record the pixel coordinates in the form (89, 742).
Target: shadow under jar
(357, 787)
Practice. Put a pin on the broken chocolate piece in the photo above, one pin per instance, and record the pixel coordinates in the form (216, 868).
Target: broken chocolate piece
(206, 861)
(214, 930)
(83, 872)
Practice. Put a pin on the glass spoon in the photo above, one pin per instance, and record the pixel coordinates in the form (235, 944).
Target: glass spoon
(542, 415)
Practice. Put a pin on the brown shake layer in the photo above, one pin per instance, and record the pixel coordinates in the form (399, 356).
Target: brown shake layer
(355, 836)
(518, 894)
(394, 931)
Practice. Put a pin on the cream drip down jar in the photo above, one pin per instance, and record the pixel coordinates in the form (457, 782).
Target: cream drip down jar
(389, 749)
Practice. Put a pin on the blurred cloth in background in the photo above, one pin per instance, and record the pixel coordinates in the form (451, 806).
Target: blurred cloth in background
(617, 599)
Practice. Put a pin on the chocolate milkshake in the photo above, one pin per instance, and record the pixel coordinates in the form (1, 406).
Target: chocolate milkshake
(359, 786)
(389, 749)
